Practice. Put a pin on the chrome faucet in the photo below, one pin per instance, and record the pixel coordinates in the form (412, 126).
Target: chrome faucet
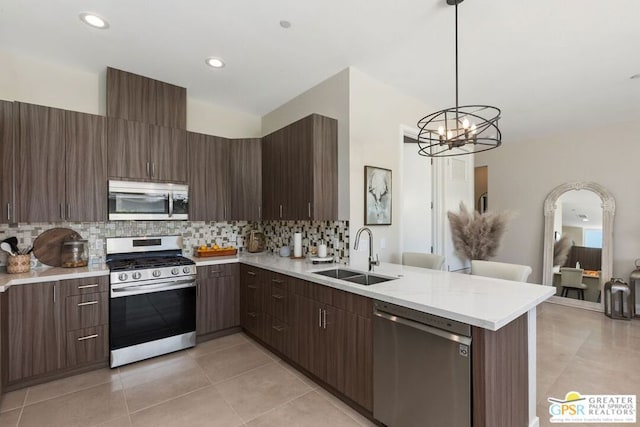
(357, 243)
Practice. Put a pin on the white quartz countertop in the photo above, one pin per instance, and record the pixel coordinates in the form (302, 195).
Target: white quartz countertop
(46, 274)
(479, 301)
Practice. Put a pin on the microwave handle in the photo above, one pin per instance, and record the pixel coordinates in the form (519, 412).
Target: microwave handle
(170, 204)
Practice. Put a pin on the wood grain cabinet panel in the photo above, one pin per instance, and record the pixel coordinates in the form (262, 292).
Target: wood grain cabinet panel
(128, 149)
(88, 345)
(167, 154)
(34, 331)
(86, 167)
(41, 171)
(300, 170)
(171, 105)
(87, 285)
(245, 186)
(7, 162)
(83, 311)
(207, 176)
(130, 96)
(218, 304)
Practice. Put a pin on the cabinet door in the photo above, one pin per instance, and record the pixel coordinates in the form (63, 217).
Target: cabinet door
(312, 354)
(128, 149)
(7, 162)
(324, 163)
(86, 161)
(34, 331)
(197, 160)
(299, 170)
(171, 105)
(250, 298)
(168, 154)
(217, 172)
(130, 96)
(335, 325)
(272, 163)
(218, 299)
(245, 185)
(358, 360)
(41, 168)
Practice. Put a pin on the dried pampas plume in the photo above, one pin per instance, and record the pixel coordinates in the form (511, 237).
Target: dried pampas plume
(476, 235)
(561, 250)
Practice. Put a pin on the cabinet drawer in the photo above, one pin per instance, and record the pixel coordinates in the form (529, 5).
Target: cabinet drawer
(83, 311)
(89, 285)
(87, 345)
(283, 338)
(221, 270)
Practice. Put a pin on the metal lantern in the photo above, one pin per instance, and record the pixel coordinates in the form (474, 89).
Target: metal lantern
(634, 284)
(618, 301)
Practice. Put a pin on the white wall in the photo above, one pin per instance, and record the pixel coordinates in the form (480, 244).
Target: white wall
(329, 98)
(377, 114)
(28, 79)
(521, 174)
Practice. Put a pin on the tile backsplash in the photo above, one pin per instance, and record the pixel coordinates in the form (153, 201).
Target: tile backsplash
(194, 233)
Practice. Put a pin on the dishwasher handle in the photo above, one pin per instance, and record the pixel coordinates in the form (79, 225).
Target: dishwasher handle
(425, 328)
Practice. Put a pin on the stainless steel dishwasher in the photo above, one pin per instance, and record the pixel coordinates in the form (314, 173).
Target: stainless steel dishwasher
(421, 369)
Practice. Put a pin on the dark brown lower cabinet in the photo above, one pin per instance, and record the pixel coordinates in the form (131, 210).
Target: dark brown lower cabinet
(53, 328)
(218, 302)
(34, 331)
(325, 331)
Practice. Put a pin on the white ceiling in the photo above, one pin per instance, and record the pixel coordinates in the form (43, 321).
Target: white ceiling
(548, 64)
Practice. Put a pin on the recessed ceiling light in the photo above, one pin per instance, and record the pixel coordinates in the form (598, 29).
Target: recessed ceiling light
(285, 24)
(94, 20)
(635, 76)
(214, 62)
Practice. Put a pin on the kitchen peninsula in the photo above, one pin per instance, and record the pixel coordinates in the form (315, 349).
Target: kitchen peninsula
(275, 292)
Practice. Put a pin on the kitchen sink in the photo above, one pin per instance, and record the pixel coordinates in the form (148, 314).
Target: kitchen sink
(368, 279)
(339, 273)
(353, 276)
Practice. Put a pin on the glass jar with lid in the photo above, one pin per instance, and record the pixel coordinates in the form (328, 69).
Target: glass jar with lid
(74, 253)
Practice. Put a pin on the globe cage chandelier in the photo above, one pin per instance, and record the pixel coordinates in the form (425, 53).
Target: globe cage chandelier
(468, 129)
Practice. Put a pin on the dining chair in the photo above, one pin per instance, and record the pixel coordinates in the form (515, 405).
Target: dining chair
(424, 260)
(500, 270)
(571, 280)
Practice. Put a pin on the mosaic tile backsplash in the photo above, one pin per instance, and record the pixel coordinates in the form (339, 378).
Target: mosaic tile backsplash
(194, 233)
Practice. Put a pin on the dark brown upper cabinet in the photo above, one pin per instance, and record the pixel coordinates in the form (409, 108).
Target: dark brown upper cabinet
(61, 171)
(208, 177)
(7, 161)
(300, 171)
(246, 179)
(140, 151)
(138, 98)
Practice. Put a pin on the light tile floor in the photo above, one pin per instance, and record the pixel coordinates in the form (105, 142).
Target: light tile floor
(232, 381)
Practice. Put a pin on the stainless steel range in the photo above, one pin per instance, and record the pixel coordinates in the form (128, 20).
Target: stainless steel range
(153, 298)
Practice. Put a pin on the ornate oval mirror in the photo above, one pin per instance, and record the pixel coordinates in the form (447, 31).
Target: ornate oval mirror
(578, 242)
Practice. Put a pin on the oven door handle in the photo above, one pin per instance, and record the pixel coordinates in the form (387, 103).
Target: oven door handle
(145, 289)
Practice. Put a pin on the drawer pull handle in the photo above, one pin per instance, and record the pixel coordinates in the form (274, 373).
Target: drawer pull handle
(88, 337)
(214, 272)
(278, 328)
(251, 273)
(88, 286)
(82, 304)
(252, 287)
(250, 314)
(278, 297)
(277, 281)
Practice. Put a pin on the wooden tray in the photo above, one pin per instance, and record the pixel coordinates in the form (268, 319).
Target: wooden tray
(48, 245)
(214, 252)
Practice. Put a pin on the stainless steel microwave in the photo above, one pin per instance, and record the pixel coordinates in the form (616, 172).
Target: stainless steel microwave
(130, 200)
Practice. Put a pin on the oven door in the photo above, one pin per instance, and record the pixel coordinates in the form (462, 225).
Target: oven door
(147, 201)
(146, 312)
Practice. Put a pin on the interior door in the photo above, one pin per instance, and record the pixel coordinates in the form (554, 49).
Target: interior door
(417, 210)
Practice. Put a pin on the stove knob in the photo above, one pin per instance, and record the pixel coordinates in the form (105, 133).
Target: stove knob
(137, 275)
(175, 271)
(122, 277)
(156, 273)
(186, 270)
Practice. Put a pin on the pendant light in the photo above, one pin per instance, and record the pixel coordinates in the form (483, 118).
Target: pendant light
(459, 130)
